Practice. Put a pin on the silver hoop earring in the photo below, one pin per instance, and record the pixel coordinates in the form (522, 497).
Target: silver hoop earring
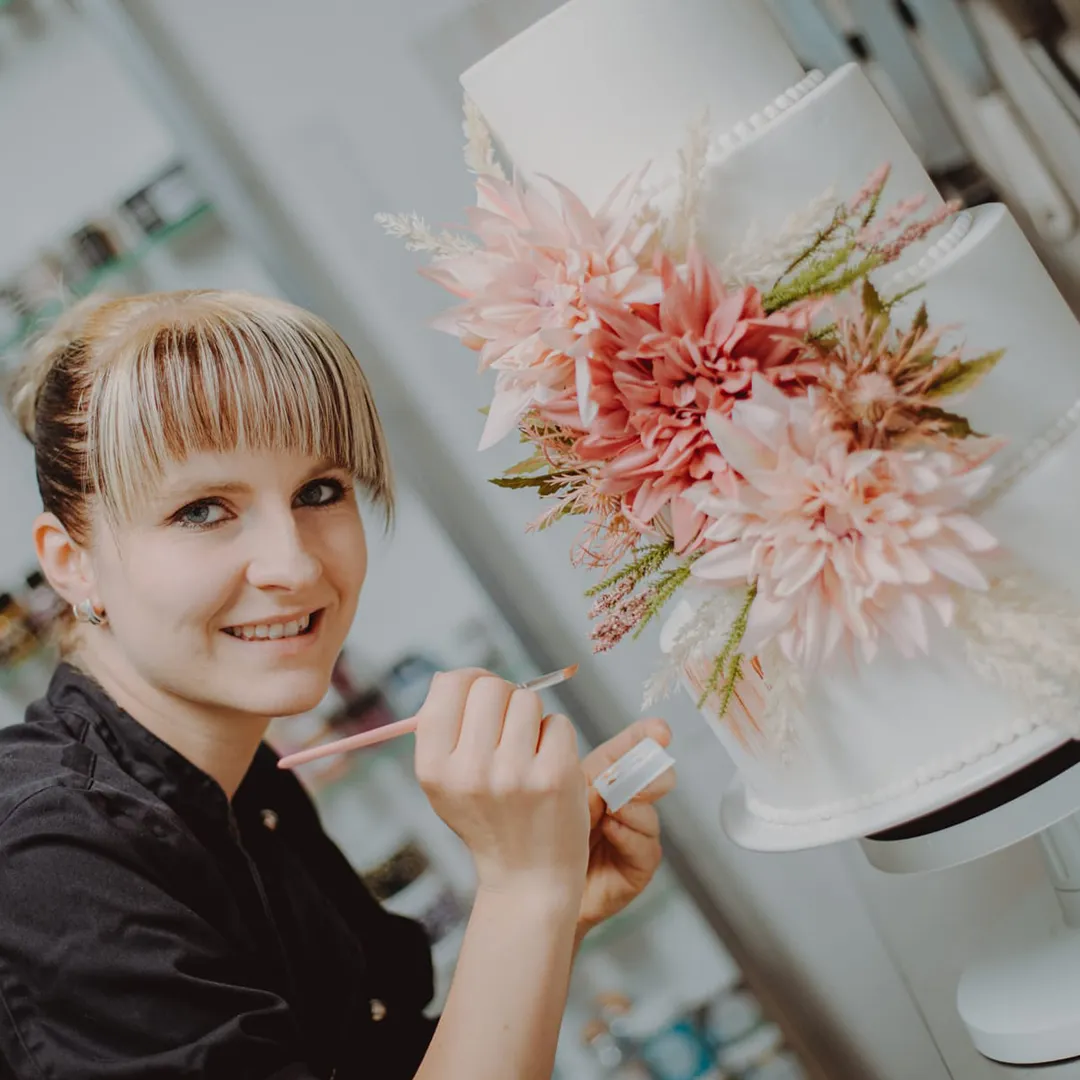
(85, 612)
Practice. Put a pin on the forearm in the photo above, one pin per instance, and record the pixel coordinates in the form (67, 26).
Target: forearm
(502, 1016)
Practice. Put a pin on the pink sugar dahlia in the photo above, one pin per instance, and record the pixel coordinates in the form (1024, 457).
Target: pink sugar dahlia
(658, 370)
(844, 544)
(524, 287)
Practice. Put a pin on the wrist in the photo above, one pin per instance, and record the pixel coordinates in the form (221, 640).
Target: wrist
(546, 900)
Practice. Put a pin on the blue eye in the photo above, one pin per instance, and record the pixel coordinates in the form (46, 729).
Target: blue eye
(321, 493)
(200, 515)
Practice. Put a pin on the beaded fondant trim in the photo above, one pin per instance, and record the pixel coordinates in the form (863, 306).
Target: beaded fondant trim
(934, 254)
(925, 774)
(746, 129)
(1032, 454)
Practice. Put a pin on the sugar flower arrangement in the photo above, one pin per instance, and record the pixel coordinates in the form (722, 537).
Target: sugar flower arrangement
(754, 430)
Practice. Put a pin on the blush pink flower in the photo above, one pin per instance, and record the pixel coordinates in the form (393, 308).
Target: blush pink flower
(524, 287)
(845, 544)
(658, 370)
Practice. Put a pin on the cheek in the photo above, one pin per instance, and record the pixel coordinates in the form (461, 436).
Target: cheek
(345, 558)
(170, 582)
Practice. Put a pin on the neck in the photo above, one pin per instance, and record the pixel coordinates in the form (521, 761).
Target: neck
(220, 742)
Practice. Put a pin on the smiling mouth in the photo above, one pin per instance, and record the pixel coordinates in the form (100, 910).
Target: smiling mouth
(276, 631)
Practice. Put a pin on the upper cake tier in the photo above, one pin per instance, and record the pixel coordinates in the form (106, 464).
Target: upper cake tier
(779, 139)
(569, 97)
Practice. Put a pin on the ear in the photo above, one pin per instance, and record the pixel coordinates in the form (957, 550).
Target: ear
(66, 565)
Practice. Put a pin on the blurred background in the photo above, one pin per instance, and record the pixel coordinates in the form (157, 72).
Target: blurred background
(159, 144)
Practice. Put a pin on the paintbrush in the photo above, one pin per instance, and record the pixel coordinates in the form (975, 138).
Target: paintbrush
(403, 727)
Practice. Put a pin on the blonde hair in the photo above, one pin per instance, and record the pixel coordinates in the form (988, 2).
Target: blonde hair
(119, 387)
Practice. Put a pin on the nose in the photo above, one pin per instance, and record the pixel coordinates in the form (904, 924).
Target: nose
(281, 558)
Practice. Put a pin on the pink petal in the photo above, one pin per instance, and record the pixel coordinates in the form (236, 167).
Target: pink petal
(764, 393)
(587, 408)
(767, 618)
(740, 449)
(507, 407)
(955, 565)
(971, 532)
(730, 564)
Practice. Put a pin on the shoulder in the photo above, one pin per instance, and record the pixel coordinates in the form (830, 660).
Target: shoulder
(49, 774)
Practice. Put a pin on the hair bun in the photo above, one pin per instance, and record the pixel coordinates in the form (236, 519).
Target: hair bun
(42, 354)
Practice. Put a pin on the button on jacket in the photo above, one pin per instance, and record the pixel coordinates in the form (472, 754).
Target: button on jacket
(151, 930)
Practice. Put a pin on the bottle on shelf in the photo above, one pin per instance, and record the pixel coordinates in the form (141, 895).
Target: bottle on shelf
(42, 605)
(17, 642)
(661, 1033)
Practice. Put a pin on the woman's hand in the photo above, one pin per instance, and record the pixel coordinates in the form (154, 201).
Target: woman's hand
(508, 781)
(624, 847)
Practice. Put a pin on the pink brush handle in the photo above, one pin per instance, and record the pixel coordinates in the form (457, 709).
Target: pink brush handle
(352, 742)
(404, 727)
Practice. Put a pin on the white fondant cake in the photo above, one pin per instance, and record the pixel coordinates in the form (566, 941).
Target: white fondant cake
(880, 743)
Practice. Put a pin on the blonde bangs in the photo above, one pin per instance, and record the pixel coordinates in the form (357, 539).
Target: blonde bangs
(225, 371)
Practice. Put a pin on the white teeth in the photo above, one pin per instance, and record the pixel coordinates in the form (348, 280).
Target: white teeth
(271, 631)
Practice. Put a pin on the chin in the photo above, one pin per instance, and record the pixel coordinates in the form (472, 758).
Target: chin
(286, 693)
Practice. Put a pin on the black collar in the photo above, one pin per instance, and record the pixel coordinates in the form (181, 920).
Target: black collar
(92, 717)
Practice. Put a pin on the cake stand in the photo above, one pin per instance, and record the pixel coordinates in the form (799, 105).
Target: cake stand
(1020, 1000)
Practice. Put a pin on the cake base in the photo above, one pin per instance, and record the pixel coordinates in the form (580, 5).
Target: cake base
(1020, 1001)
(1015, 809)
(751, 830)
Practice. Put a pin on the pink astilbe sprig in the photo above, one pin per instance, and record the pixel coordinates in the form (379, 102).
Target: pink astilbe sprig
(658, 369)
(620, 619)
(844, 546)
(526, 312)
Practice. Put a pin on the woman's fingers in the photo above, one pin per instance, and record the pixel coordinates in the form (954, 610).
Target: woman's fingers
(521, 731)
(440, 718)
(640, 818)
(485, 715)
(558, 741)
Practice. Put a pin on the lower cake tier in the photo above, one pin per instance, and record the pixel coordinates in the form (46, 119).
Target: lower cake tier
(883, 743)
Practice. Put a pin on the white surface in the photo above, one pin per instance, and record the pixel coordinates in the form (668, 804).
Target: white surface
(644, 71)
(831, 140)
(1020, 997)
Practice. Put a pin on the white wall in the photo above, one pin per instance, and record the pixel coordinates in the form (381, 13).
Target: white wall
(339, 116)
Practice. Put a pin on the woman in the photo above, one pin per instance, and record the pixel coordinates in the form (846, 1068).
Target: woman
(170, 905)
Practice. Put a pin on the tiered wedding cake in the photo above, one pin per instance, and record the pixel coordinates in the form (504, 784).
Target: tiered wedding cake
(599, 88)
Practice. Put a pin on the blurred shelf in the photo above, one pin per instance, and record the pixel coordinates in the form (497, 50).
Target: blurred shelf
(128, 261)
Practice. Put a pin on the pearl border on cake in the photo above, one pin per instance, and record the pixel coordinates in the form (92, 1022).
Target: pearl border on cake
(731, 140)
(925, 774)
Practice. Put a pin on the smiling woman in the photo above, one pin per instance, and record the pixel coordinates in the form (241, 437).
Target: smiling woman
(171, 905)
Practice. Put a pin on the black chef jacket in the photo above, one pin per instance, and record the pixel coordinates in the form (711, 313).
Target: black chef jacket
(151, 931)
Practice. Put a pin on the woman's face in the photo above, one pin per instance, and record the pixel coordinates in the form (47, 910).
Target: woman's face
(236, 586)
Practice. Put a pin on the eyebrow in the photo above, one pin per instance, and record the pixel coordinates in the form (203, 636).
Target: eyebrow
(197, 489)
